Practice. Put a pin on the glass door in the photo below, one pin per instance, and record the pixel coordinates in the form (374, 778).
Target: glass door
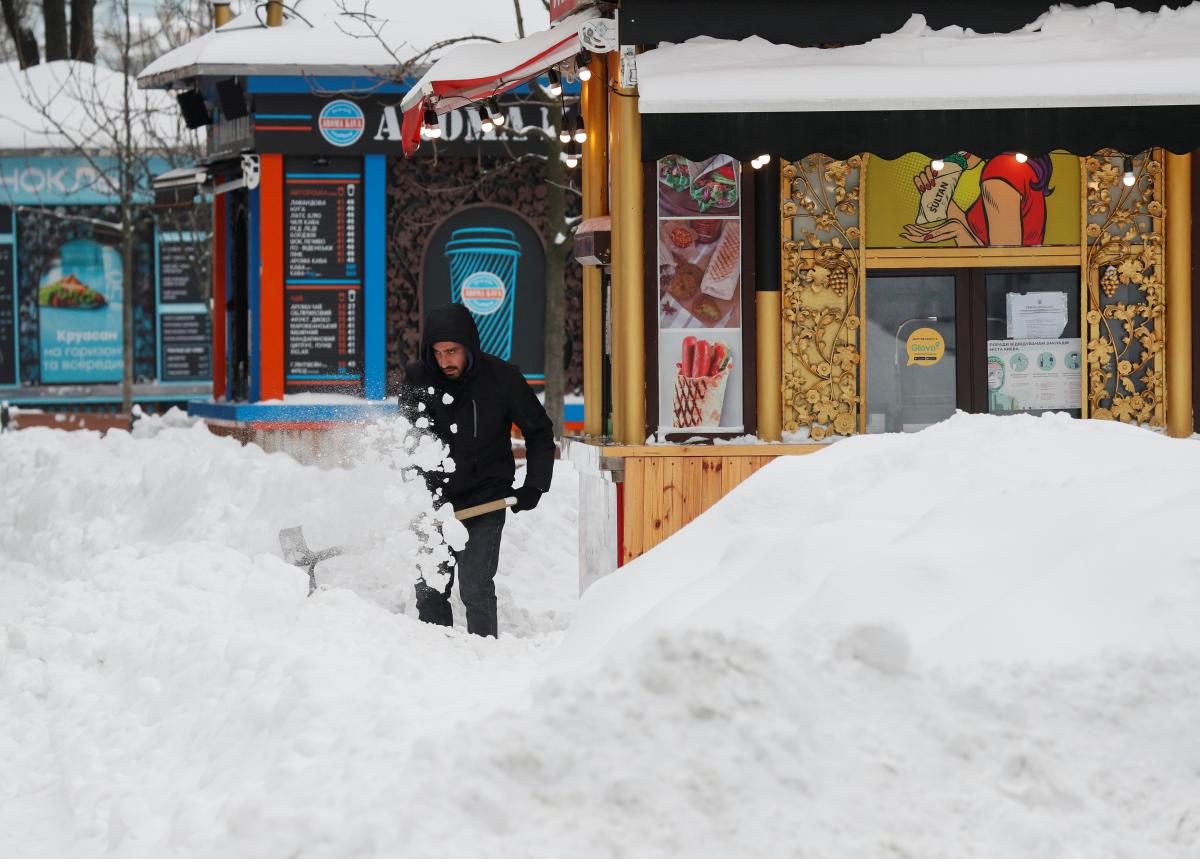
(911, 350)
(1034, 351)
(1003, 341)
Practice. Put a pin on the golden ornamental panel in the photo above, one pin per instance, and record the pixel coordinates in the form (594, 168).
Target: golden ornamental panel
(1126, 315)
(823, 276)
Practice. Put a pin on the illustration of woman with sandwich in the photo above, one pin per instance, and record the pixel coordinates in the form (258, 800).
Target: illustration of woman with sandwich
(1010, 209)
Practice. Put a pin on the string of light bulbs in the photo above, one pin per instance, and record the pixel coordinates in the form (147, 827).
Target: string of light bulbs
(571, 134)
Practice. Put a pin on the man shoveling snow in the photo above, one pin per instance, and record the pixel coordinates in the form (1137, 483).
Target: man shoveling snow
(471, 400)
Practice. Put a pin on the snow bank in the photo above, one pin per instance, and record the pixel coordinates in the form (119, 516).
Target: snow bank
(167, 687)
(1065, 58)
(978, 640)
(979, 539)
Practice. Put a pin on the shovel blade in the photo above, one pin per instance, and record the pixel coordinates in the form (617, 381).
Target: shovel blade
(295, 549)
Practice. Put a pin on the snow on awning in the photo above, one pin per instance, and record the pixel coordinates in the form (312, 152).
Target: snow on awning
(179, 187)
(472, 72)
(1075, 78)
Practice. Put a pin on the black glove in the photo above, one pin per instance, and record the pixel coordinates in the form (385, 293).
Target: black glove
(527, 498)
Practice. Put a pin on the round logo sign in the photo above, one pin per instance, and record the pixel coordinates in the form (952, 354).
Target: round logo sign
(925, 347)
(341, 122)
(483, 293)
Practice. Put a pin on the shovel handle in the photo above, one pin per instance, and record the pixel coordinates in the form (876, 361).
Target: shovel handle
(480, 509)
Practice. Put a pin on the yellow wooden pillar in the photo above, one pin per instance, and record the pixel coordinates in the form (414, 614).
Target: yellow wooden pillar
(1179, 294)
(770, 365)
(222, 14)
(594, 109)
(628, 322)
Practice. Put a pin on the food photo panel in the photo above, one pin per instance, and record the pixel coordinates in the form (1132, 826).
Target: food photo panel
(698, 188)
(699, 272)
(700, 380)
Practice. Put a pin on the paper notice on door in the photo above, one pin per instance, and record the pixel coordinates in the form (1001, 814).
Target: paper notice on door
(1029, 375)
(1036, 315)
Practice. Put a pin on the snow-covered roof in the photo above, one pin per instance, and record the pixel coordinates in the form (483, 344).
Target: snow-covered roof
(1069, 57)
(69, 105)
(340, 37)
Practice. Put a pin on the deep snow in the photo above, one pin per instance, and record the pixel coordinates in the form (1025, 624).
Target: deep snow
(975, 641)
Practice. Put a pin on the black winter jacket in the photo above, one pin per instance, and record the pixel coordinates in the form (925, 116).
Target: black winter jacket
(476, 423)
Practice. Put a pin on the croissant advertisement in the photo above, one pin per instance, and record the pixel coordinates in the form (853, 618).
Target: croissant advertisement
(700, 295)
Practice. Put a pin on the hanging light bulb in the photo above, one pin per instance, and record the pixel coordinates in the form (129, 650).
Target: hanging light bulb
(493, 108)
(580, 134)
(564, 133)
(938, 165)
(555, 88)
(583, 61)
(485, 122)
(1128, 178)
(760, 161)
(430, 129)
(1021, 157)
(572, 156)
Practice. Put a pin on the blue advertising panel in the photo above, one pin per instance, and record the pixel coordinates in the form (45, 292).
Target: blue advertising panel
(67, 181)
(80, 314)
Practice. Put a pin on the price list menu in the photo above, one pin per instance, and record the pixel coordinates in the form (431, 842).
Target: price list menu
(8, 339)
(184, 327)
(323, 276)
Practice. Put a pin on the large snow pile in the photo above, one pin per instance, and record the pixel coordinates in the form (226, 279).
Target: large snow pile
(1064, 58)
(979, 640)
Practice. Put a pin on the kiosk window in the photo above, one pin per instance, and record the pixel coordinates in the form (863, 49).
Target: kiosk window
(911, 351)
(1034, 352)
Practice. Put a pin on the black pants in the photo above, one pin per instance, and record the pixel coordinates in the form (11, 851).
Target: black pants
(476, 568)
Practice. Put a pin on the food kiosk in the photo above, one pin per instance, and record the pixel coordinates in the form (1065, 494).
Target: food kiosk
(827, 221)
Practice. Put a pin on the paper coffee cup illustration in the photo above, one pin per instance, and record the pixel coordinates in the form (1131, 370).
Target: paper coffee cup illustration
(483, 278)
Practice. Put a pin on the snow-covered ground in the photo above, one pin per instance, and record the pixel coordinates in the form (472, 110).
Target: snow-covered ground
(976, 641)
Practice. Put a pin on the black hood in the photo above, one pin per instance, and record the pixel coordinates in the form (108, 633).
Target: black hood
(454, 323)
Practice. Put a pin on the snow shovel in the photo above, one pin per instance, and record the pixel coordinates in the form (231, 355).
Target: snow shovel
(296, 551)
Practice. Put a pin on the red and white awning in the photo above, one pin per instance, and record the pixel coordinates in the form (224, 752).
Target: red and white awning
(476, 71)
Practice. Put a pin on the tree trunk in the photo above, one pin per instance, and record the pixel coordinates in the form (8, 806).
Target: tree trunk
(556, 253)
(83, 35)
(23, 38)
(127, 239)
(128, 217)
(54, 16)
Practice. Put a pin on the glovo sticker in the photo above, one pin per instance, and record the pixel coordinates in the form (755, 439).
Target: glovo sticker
(925, 347)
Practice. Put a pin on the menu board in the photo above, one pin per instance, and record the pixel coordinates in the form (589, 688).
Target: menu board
(178, 281)
(8, 339)
(186, 347)
(323, 325)
(699, 240)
